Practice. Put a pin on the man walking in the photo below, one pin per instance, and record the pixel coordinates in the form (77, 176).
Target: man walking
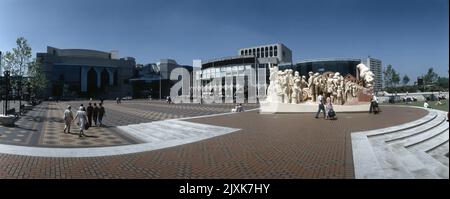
(90, 112)
(101, 113)
(321, 106)
(68, 117)
(95, 113)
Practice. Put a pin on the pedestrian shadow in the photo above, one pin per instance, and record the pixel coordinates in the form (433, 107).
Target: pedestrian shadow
(85, 135)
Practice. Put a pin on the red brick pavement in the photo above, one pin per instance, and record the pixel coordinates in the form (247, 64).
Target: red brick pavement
(268, 146)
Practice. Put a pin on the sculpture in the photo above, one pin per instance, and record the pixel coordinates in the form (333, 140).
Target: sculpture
(366, 75)
(289, 87)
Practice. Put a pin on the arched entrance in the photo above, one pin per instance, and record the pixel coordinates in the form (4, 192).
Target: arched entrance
(104, 80)
(91, 82)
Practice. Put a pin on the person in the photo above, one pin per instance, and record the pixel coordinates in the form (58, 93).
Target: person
(330, 114)
(68, 118)
(89, 112)
(321, 106)
(95, 113)
(101, 113)
(169, 100)
(82, 120)
(240, 108)
(426, 105)
(374, 105)
(117, 100)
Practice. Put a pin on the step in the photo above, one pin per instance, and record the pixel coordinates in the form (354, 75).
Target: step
(156, 132)
(365, 162)
(412, 163)
(416, 130)
(139, 134)
(441, 153)
(432, 143)
(175, 130)
(432, 164)
(390, 164)
(377, 132)
(431, 134)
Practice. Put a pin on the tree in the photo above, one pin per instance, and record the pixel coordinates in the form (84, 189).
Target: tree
(387, 75)
(20, 63)
(37, 79)
(405, 80)
(395, 77)
(431, 77)
(17, 61)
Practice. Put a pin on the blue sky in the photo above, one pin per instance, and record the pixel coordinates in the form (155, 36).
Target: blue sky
(412, 35)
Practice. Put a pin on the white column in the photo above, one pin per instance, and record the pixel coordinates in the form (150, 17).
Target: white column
(111, 76)
(98, 70)
(83, 79)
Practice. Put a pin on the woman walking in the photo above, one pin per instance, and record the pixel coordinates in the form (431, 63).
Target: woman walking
(82, 120)
(329, 109)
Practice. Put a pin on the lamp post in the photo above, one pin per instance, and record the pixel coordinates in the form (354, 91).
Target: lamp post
(6, 88)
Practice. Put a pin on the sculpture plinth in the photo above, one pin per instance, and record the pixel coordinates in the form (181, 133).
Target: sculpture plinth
(270, 108)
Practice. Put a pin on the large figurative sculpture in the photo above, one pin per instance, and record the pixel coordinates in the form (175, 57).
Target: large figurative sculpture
(289, 87)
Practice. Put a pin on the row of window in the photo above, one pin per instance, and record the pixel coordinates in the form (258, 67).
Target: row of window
(268, 51)
(222, 72)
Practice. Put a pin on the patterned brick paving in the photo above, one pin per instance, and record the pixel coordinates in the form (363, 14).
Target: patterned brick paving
(268, 146)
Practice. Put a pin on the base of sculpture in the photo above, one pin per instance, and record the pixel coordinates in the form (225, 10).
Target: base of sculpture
(7, 120)
(309, 107)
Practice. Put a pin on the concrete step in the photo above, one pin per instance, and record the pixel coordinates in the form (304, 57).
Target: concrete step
(441, 153)
(391, 166)
(433, 165)
(378, 132)
(412, 163)
(422, 137)
(404, 134)
(431, 144)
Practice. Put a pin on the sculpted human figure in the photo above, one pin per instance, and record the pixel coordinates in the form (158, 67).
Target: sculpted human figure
(290, 80)
(271, 90)
(330, 88)
(296, 89)
(311, 85)
(317, 79)
(339, 95)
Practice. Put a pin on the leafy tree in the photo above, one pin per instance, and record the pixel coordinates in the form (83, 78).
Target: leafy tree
(405, 80)
(387, 75)
(395, 77)
(431, 77)
(443, 82)
(20, 63)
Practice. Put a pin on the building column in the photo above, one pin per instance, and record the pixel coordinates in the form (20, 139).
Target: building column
(84, 78)
(98, 70)
(111, 76)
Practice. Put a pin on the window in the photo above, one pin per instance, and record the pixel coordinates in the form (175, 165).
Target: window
(254, 51)
(266, 52)
(275, 51)
(242, 52)
(262, 52)
(271, 51)
(245, 52)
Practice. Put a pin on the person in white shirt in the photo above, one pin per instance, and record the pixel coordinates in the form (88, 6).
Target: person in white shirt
(68, 117)
(321, 106)
(426, 105)
(81, 115)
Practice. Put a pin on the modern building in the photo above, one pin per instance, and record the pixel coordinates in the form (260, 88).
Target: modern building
(273, 53)
(342, 65)
(154, 79)
(74, 73)
(245, 74)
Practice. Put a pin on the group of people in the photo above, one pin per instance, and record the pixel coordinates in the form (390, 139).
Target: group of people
(329, 113)
(87, 117)
(238, 108)
(326, 108)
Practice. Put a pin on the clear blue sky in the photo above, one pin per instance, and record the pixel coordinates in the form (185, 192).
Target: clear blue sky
(412, 35)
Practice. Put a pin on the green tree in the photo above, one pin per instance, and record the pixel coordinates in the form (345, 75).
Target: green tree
(431, 77)
(405, 80)
(387, 76)
(395, 77)
(18, 60)
(20, 63)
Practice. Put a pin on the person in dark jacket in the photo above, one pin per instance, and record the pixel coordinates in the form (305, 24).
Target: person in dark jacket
(101, 113)
(90, 112)
(95, 113)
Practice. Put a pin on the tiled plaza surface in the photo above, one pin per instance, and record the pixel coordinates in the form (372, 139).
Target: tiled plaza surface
(267, 146)
(43, 126)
